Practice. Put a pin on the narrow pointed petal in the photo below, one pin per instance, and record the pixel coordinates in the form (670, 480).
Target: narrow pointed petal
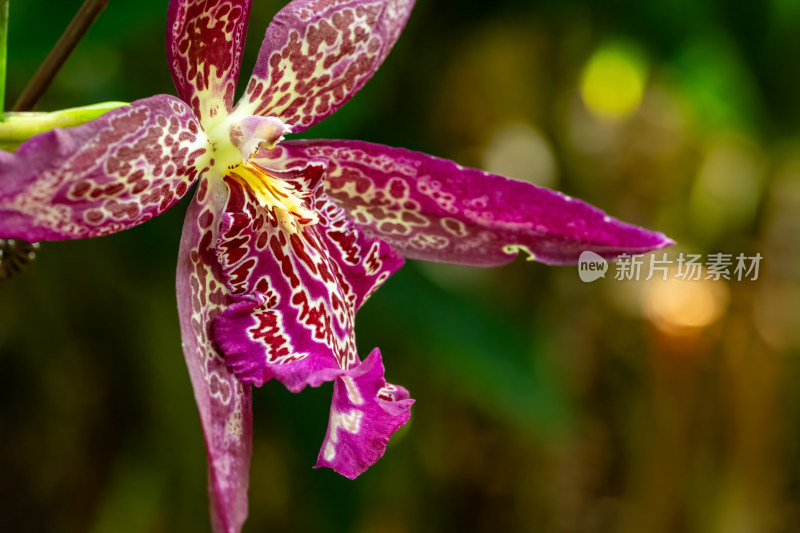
(107, 175)
(365, 412)
(224, 402)
(317, 54)
(433, 209)
(205, 40)
(294, 296)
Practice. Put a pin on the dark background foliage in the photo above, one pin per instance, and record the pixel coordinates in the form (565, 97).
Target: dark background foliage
(544, 404)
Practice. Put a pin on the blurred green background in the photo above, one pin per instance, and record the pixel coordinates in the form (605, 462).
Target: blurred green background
(544, 404)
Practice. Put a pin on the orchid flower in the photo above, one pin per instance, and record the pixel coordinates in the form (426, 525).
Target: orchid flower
(285, 240)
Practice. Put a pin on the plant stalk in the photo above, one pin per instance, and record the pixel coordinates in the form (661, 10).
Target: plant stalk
(58, 55)
(3, 53)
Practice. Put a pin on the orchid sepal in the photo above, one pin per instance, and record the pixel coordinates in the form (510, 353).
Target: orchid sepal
(436, 210)
(110, 174)
(316, 55)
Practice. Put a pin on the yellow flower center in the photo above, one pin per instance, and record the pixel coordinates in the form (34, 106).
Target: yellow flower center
(234, 142)
(276, 194)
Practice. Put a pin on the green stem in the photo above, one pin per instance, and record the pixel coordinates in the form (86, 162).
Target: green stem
(72, 35)
(19, 126)
(3, 52)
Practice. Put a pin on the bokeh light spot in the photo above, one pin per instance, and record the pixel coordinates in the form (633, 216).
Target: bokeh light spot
(518, 150)
(613, 81)
(680, 307)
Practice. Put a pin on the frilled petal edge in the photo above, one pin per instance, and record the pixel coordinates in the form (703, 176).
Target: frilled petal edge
(293, 296)
(365, 413)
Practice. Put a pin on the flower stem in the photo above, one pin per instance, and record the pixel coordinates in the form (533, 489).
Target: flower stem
(58, 55)
(3, 53)
(19, 126)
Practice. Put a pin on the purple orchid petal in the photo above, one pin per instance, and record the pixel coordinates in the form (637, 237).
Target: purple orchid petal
(205, 39)
(294, 296)
(224, 402)
(433, 209)
(318, 53)
(290, 302)
(107, 175)
(365, 412)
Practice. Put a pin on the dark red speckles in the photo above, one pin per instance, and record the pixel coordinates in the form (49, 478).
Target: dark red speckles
(255, 94)
(321, 33)
(262, 285)
(153, 197)
(233, 250)
(191, 158)
(162, 121)
(206, 219)
(202, 190)
(174, 126)
(122, 211)
(136, 176)
(398, 189)
(301, 253)
(268, 332)
(140, 186)
(216, 24)
(302, 66)
(81, 188)
(193, 128)
(360, 34)
(219, 388)
(238, 276)
(114, 189)
(178, 153)
(372, 13)
(262, 240)
(374, 46)
(94, 216)
(181, 189)
(346, 241)
(166, 202)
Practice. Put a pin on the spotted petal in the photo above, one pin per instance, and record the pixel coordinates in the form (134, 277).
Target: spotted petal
(294, 296)
(318, 53)
(365, 412)
(205, 39)
(290, 304)
(224, 402)
(107, 175)
(433, 209)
